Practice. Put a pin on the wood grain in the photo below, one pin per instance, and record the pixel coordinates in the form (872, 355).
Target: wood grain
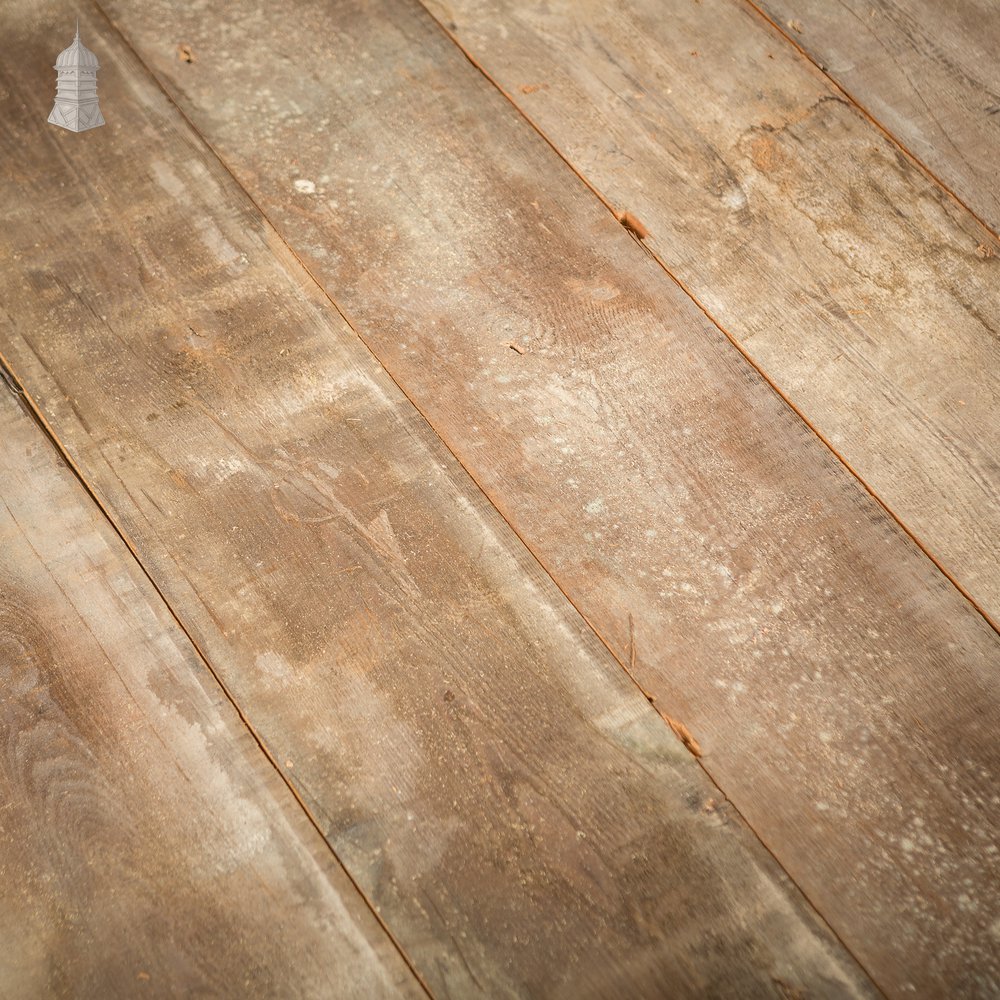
(928, 72)
(853, 281)
(522, 819)
(146, 844)
(840, 688)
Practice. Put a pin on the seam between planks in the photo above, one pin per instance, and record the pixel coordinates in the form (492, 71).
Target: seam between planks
(718, 325)
(858, 106)
(13, 383)
(671, 723)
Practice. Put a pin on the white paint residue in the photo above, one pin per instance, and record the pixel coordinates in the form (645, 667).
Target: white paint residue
(305, 186)
(275, 667)
(735, 199)
(227, 467)
(224, 251)
(167, 179)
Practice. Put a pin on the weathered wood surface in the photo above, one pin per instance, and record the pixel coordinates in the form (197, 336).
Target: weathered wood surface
(928, 72)
(146, 844)
(520, 816)
(859, 286)
(842, 691)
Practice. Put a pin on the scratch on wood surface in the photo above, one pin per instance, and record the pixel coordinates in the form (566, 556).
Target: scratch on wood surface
(631, 643)
(517, 348)
(788, 992)
(632, 224)
(680, 730)
(10, 380)
(185, 53)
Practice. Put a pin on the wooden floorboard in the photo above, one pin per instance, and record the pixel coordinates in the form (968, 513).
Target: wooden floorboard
(521, 818)
(839, 687)
(147, 847)
(927, 72)
(861, 289)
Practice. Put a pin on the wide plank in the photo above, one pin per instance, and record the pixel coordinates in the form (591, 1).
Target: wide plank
(861, 289)
(521, 818)
(841, 690)
(146, 844)
(928, 72)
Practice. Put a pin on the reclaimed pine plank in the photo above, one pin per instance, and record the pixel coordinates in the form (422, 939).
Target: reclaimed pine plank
(927, 72)
(867, 296)
(517, 812)
(840, 688)
(146, 844)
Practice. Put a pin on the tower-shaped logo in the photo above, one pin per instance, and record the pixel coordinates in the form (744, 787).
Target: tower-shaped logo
(76, 105)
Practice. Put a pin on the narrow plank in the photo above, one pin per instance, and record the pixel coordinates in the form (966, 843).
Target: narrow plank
(927, 72)
(860, 288)
(519, 815)
(146, 844)
(840, 688)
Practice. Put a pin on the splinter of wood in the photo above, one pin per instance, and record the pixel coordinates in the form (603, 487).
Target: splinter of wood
(632, 224)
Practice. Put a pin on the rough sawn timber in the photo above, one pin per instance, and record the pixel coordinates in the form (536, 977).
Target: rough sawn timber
(841, 689)
(927, 72)
(866, 294)
(146, 843)
(521, 818)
